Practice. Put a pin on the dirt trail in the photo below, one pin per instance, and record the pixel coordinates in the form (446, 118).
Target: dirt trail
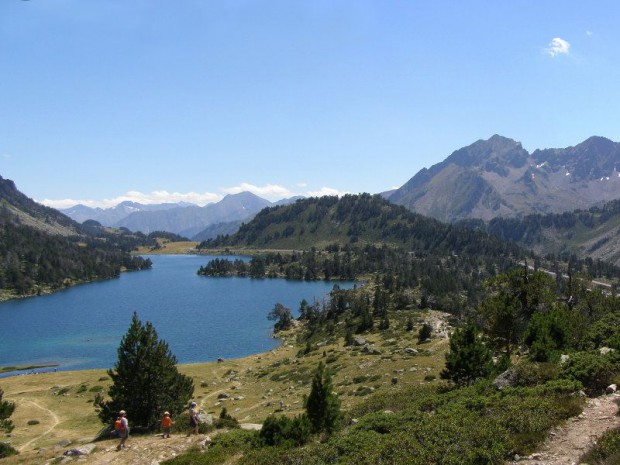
(143, 450)
(570, 441)
(55, 422)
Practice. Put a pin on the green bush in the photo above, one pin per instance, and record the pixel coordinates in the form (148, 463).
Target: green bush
(531, 374)
(6, 450)
(33, 422)
(606, 451)
(287, 432)
(593, 370)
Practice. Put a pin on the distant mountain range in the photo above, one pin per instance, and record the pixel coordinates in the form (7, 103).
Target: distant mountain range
(498, 177)
(188, 220)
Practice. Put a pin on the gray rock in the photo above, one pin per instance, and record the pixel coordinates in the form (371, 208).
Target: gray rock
(605, 350)
(359, 341)
(411, 350)
(564, 358)
(205, 418)
(63, 443)
(507, 379)
(611, 389)
(84, 450)
(223, 395)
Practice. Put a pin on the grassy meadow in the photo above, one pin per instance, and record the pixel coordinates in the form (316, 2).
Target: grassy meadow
(58, 406)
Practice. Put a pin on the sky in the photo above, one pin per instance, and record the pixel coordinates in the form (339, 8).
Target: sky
(189, 100)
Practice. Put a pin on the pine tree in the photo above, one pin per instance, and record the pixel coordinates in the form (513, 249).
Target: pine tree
(468, 358)
(322, 405)
(6, 410)
(145, 379)
(426, 331)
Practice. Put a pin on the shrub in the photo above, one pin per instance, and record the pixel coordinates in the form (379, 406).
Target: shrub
(33, 422)
(593, 370)
(533, 374)
(6, 450)
(226, 420)
(425, 333)
(606, 451)
(283, 431)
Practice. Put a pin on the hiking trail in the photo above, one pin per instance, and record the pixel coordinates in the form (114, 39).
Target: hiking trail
(568, 442)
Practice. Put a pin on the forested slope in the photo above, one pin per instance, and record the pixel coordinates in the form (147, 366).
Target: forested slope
(41, 249)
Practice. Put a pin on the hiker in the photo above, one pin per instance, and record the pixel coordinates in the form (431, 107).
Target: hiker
(193, 417)
(121, 425)
(166, 425)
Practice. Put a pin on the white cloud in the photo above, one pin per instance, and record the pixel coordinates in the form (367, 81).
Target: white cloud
(154, 197)
(589, 33)
(269, 191)
(558, 46)
(325, 191)
(6, 156)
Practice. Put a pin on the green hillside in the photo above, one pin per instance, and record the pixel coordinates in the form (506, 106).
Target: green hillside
(357, 219)
(584, 233)
(42, 250)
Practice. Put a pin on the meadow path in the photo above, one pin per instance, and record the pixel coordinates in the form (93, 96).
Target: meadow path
(55, 422)
(568, 442)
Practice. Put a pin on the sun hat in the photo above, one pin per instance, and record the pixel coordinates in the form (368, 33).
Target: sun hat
(122, 412)
(166, 413)
(193, 404)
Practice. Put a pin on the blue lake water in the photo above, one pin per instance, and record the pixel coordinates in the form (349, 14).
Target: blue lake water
(200, 318)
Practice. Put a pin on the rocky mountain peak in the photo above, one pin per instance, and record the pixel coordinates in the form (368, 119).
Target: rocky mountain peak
(496, 148)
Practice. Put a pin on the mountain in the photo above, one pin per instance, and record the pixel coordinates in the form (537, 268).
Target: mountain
(498, 177)
(189, 221)
(111, 216)
(358, 219)
(42, 249)
(593, 233)
(231, 227)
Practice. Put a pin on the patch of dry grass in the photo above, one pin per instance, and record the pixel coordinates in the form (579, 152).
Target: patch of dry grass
(256, 386)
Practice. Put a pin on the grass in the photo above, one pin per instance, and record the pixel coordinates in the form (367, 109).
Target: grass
(255, 384)
(9, 369)
(169, 248)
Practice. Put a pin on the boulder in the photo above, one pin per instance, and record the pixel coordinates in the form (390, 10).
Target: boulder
(359, 341)
(605, 350)
(223, 395)
(507, 379)
(411, 350)
(84, 450)
(611, 389)
(205, 418)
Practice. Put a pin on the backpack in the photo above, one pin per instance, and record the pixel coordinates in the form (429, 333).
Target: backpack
(118, 425)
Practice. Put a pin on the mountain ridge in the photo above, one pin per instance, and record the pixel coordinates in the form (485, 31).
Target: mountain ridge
(498, 177)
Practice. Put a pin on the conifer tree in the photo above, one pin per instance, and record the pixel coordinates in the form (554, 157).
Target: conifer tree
(323, 405)
(145, 379)
(6, 410)
(468, 358)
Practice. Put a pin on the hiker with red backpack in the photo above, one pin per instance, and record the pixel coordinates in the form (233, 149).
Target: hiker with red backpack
(121, 427)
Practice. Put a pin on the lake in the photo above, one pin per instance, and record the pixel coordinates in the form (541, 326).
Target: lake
(201, 318)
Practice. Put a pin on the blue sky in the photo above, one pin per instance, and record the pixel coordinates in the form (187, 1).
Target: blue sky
(159, 100)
